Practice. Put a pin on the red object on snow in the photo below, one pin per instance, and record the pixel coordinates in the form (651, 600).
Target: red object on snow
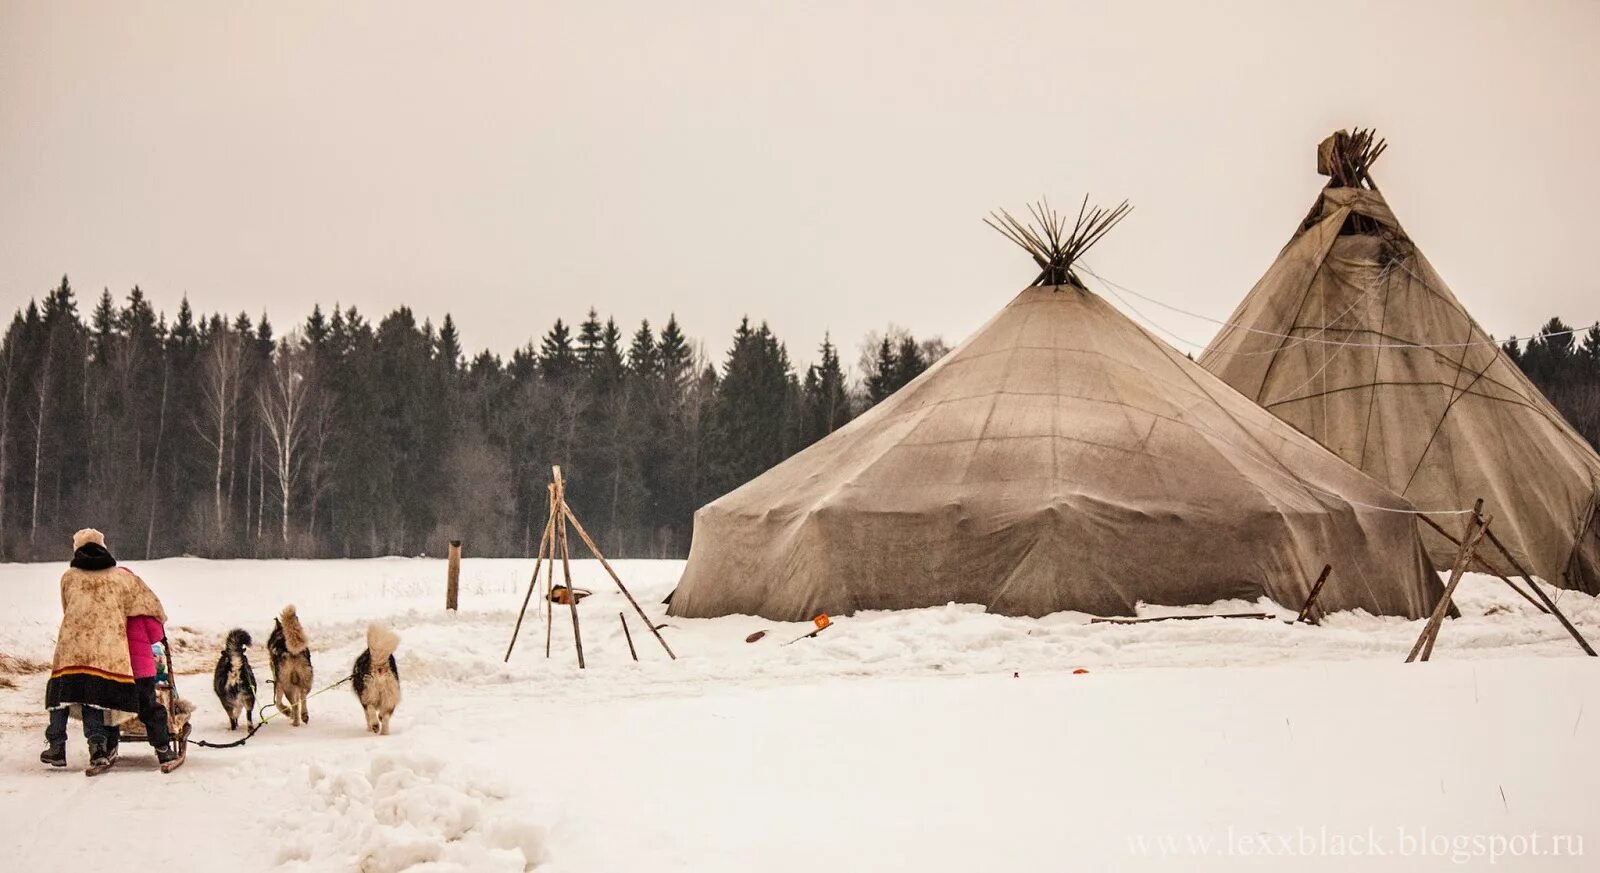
(1080, 671)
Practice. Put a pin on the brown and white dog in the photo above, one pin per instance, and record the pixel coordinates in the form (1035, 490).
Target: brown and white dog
(291, 666)
(376, 678)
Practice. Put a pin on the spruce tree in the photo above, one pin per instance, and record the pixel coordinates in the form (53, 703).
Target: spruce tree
(881, 375)
(827, 406)
(675, 355)
(449, 345)
(644, 359)
(557, 360)
(908, 363)
(589, 341)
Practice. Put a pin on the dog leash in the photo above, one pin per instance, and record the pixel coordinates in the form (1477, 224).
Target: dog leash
(263, 717)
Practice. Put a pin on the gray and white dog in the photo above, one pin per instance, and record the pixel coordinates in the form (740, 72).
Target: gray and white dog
(234, 681)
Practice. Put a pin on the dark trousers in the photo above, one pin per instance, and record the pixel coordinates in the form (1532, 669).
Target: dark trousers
(94, 726)
(152, 714)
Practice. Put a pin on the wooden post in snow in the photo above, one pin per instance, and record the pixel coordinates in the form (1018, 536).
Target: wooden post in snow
(452, 588)
(1311, 599)
(624, 618)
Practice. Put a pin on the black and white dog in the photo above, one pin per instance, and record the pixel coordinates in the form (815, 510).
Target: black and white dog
(291, 666)
(377, 678)
(234, 682)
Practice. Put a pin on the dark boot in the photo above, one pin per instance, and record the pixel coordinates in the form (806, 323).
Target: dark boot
(166, 754)
(55, 755)
(101, 754)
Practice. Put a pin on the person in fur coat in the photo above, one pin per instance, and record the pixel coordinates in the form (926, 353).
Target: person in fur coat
(92, 675)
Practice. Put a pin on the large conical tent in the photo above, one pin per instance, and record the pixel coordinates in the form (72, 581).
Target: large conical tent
(1354, 339)
(1059, 459)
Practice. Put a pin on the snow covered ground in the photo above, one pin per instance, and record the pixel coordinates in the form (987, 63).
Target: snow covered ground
(937, 739)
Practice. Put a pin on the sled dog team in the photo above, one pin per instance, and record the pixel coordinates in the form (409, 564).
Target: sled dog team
(375, 675)
(112, 659)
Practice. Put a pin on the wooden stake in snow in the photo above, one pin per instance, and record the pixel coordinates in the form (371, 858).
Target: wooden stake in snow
(1311, 599)
(1476, 528)
(624, 619)
(452, 587)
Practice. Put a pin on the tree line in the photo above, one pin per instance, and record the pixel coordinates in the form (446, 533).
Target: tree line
(343, 437)
(216, 436)
(1564, 362)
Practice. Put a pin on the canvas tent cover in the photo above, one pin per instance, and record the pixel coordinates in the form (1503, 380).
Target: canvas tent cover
(1062, 458)
(1387, 369)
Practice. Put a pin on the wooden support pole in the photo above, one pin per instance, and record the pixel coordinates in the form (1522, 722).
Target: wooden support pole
(533, 585)
(1311, 599)
(617, 579)
(1475, 531)
(624, 618)
(1484, 564)
(452, 586)
(550, 571)
(1554, 610)
(560, 515)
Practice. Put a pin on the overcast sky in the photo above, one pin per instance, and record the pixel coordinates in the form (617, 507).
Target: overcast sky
(820, 166)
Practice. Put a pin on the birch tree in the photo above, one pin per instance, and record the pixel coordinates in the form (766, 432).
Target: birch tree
(220, 373)
(286, 400)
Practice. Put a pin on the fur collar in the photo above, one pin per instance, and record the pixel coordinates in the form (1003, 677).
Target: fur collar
(93, 556)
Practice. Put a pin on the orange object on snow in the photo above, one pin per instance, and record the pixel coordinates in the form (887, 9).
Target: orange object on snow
(1080, 671)
(822, 620)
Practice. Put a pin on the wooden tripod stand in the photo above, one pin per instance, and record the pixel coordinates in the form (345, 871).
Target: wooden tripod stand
(553, 541)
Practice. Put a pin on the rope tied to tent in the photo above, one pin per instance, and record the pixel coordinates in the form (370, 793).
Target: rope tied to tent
(1298, 338)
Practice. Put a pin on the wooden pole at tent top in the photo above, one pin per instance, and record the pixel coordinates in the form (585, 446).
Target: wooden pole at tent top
(566, 563)
(452, 586)
(1475, 531)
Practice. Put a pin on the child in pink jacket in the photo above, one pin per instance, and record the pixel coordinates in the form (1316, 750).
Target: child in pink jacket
(144, 632)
